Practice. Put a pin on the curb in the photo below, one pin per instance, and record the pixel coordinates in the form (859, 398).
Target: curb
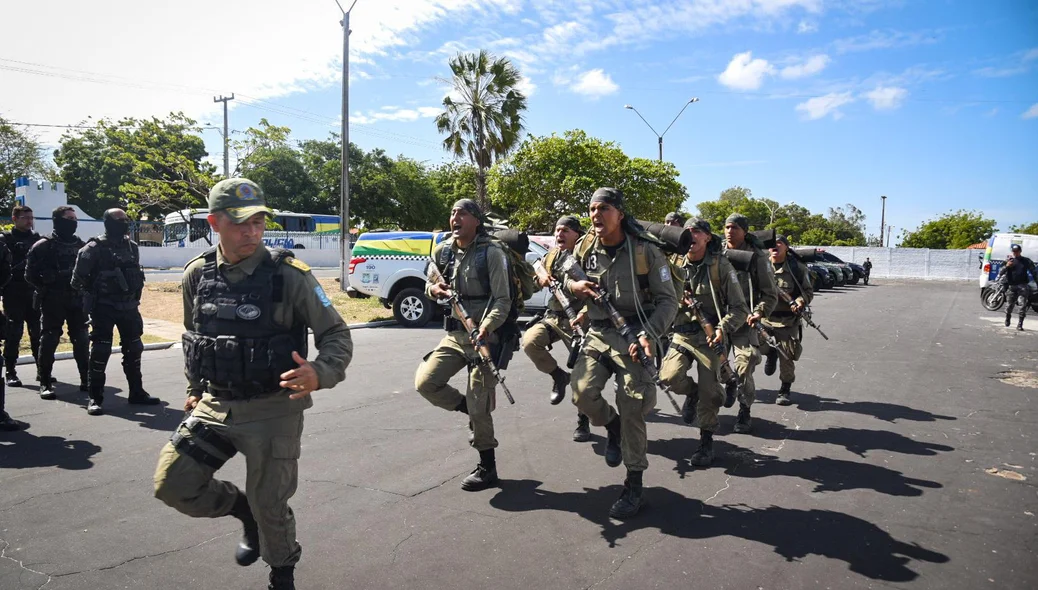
(61, 356)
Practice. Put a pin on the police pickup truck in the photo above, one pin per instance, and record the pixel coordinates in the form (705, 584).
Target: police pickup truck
(390, 265)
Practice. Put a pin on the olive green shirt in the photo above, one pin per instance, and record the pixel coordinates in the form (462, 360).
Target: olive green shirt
(729, 295)
(304, 302)
(758, 285)
(555, 257)
(488, 310)
(617, 277)
(799, 290)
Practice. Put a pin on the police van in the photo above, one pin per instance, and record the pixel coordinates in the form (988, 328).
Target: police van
(998, 250)
(390, 265)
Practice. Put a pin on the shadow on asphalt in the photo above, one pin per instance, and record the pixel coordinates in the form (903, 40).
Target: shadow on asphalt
(22, 450)
(884, 411)
(162, 417)
(866, 549)
(856, 440)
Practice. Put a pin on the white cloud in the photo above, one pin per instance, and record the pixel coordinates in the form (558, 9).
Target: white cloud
(812, 66)
(526, 86)
(806, 27)
(392, 113)
(745, 73)
(992, 112)
(1031, 54)
(181, 60)
(886, 98)
(820, 106)
(594, 83)
(1031, 113)
(887, 39)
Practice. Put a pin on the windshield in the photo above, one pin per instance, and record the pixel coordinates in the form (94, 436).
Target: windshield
(174, 232)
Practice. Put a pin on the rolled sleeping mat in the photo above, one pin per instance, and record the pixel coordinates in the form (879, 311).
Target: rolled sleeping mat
(805, 254)
(516, 240)
(766, 237)
(741, 260)
(676, 239)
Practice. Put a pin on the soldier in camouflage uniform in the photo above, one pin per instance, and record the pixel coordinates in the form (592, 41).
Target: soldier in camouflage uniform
(555, 326)
(791, 278)
(711, 281)
(758, 290)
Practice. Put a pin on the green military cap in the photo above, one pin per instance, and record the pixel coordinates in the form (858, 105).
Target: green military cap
(238, 197)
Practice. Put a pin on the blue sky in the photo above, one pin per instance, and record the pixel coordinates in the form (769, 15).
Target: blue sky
(818, 102)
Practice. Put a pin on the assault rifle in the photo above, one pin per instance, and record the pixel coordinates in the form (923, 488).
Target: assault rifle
(482, 349)
(557, 291)
(601, 297)
(766, 336)
(728, 375)
(804, 313)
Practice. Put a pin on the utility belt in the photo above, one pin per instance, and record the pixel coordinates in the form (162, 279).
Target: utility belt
(607, 324)
(782, 314)
(557, 315)
(238, 368)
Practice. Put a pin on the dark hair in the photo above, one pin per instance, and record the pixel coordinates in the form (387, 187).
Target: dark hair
(20, 209)
(60, 210)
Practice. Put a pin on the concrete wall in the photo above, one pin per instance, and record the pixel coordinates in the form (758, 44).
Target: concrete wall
(921, 263)
(178, 257)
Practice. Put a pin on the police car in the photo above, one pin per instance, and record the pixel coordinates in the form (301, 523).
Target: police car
(390, 265)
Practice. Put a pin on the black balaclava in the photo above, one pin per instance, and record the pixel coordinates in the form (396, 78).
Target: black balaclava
(115, 229)
(65, 228)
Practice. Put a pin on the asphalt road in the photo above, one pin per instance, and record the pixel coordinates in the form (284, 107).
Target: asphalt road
(875, 477)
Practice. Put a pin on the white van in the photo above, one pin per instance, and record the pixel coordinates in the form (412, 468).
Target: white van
(998, 250)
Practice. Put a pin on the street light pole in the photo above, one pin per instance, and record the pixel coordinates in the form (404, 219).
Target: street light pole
(882, 220)
(659, 136)
(344, 205)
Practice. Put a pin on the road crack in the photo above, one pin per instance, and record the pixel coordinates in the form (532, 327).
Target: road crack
(3, 555)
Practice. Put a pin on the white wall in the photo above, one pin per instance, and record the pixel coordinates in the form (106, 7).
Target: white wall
(921, 263)
(178, 257)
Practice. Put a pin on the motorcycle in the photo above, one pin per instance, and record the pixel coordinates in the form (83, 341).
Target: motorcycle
(993, 297)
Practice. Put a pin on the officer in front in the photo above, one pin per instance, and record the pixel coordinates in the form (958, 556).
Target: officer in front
(18, 294)
(247, 310)
(7, 424)
(1016, 269)
(48, 269)
(108, 273)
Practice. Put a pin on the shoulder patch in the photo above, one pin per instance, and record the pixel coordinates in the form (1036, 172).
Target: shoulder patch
(325, 301)
(665, 273)
(299, 264)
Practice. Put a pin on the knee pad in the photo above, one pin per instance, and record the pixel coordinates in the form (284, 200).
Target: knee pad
(133, 348)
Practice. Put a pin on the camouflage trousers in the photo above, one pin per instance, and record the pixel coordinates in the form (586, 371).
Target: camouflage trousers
(685, 348)
(789, 338)
(539, 337)
(747, 357)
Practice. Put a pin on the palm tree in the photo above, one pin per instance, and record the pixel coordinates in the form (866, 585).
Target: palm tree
(483, 112)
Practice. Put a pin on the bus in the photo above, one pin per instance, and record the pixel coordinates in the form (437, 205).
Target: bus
(189, 228)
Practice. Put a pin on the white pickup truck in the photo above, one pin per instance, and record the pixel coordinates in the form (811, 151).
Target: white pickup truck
(390, 265)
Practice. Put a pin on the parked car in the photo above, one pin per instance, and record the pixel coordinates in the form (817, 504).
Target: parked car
(390, 265)
(852, 274)
(826, 277)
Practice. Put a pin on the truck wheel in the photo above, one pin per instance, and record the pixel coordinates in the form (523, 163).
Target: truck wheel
(411, 308)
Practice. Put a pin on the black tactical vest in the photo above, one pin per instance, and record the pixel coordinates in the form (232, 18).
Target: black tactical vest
(19, 245)
(236, 346)
(119, 274)
(61, 259)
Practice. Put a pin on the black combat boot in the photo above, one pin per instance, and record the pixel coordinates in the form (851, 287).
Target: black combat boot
(484, 475)
(1020, 326)
(94, 406)
(282, 578)
(12, 378)
(47, 389)
(688, 409)
(731, 392)
(783, 395)
(249, 548)
(1009, 318)
(704, 455)
(582, 433)
(630, 501)
(742, 423)
(9, 424)
(613, 454)
(771, 362)
(143, 398)
(558, 389)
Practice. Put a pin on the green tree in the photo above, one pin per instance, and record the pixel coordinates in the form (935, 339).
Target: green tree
(847, 226)
(954, 231)
(483, 113)
(20, 155)
(143, 165)
(551, 176)
(453, 181)
(761, 213)
(1030, 228)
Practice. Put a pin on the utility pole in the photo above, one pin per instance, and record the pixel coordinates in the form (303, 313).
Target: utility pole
(344, 221)
(882, 219)
(888, 236)
(226, 135)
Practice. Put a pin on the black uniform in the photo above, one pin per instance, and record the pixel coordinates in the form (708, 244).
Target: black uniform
(1016, 271)
(49, 269)
(18, 305)
(109, 273)
(6, 423)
